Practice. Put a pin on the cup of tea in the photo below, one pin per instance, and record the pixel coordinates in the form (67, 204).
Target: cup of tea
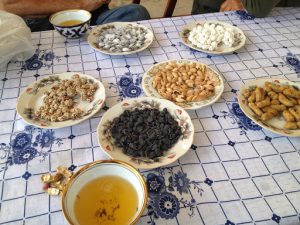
(71, 23)
(105, 192)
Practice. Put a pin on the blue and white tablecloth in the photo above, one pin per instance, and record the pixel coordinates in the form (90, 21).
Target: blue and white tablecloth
(235, 172)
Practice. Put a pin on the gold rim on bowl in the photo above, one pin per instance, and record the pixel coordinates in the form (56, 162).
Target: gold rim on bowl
(71, 10)
(114, 161)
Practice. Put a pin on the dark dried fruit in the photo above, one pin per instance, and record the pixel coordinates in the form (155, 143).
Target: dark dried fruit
(146, 133)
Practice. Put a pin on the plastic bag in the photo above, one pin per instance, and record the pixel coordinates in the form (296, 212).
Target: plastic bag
(15, 39)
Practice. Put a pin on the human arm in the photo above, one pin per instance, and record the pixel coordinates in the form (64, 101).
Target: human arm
(258, 8)
(47, 7)
(231, 5)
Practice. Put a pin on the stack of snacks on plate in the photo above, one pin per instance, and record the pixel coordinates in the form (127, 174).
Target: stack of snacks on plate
(121, 39)
(185, 82)
(59, 104)
(146, 133)
(274, 100)
(209, 36)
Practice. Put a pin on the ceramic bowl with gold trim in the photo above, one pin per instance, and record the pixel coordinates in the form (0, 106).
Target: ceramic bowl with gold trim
(71, 23)
(97, 170)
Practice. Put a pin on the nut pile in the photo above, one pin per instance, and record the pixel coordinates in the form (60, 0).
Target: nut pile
(145, 133)
(121, 39)
(60, 102)
(183, 82)
(275, 100)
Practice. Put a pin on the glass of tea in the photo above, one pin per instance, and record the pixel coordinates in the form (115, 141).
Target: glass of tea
(109, 192)
(71, 23)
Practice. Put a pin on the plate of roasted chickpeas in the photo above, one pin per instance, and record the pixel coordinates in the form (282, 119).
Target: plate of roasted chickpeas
(61, 100)
(274, 104)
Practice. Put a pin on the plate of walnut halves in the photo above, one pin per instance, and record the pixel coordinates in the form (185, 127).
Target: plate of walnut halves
(61, 100)
(272, 103)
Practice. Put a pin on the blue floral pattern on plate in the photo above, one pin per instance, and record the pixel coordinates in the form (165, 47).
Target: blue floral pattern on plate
(27, 145)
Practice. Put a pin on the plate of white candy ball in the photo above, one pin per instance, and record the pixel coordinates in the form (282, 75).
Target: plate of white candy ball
(120, 38)
(213, 37)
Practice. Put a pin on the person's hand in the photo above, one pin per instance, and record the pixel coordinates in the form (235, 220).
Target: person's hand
(231, 5)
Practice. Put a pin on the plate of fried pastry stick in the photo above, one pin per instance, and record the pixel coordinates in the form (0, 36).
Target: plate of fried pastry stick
(274, 104)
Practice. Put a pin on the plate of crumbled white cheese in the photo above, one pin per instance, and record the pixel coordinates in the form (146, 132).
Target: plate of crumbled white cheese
(213, 37)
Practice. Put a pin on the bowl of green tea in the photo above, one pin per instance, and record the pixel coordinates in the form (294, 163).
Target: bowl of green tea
(71, 23)
(106, 192)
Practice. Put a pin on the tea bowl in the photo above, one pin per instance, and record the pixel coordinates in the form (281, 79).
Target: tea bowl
(71, 31)
(96, 170)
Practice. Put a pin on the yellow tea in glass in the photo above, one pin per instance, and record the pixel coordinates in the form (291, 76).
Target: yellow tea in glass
(108, 200)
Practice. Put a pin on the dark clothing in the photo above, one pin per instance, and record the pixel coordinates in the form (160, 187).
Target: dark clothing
(127, 13)
(261, 8)
(258, 8)
(206, 6)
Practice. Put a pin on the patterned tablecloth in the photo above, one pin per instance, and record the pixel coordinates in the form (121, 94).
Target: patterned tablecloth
(234, 173)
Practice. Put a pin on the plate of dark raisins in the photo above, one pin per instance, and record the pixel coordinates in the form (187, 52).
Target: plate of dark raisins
(146, 132)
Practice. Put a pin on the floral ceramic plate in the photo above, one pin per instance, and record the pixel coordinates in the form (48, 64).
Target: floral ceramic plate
(222, 49)
(178, 150)
(92, 38)
(151, 91)
(275, 125)
(32, 98)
